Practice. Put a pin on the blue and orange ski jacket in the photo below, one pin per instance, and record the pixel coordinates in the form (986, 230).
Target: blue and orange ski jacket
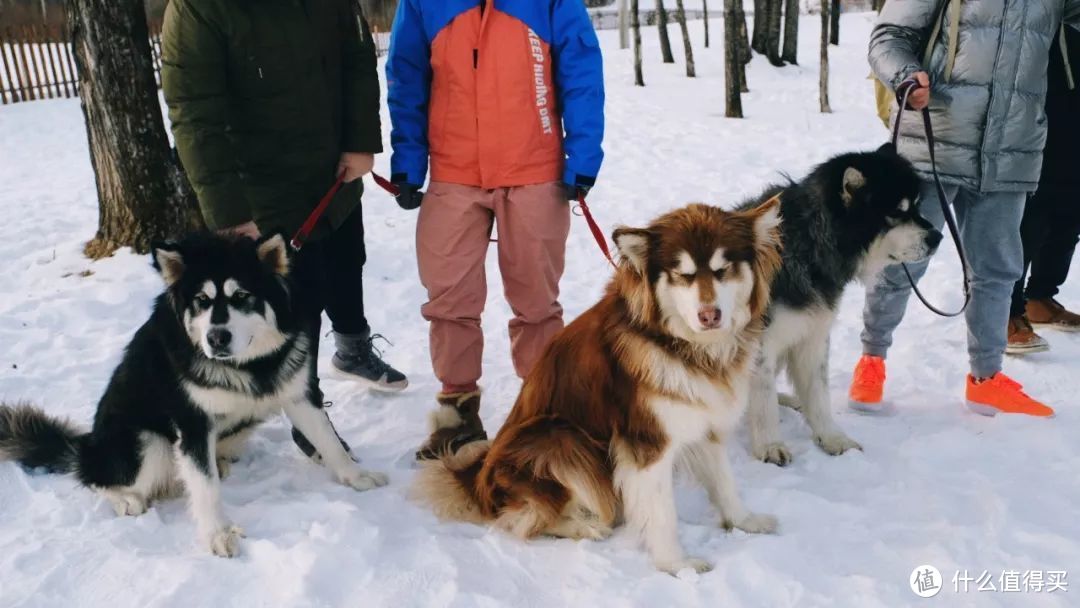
(497, 93)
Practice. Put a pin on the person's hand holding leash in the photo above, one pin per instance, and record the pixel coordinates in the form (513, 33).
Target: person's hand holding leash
(409, 196)
(919, 97)
(354, 165)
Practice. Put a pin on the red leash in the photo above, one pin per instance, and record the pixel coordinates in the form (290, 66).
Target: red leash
(309, 224)
(598, 235)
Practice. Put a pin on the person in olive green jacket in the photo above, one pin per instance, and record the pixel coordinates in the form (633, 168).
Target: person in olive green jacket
(269, 101)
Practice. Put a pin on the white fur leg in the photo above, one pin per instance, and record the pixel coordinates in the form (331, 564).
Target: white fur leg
(156, 475)
(649, 503)
(315, 425)
(763, 414)
(711, 466)
(204, 496)
(808, 365)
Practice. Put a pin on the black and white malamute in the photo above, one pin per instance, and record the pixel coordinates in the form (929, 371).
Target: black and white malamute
(851, 217)
(223, 350)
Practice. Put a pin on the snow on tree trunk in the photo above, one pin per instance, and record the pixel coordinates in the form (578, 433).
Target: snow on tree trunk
(791, 32)
(834, 28)
(142, 194)
(760, 11)
(705, 15)
(744, 46)
(732, 60)
(772, 33)
(823, 77)
(635, 25)
(680, 14)
(661, 24)
(624, 25)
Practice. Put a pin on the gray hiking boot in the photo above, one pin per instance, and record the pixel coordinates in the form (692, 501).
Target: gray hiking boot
(455, 424)
(358, 359)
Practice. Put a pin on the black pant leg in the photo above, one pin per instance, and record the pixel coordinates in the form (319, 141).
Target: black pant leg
(1050, 267)
(1032, 233)
(309, 285)
(344, 269)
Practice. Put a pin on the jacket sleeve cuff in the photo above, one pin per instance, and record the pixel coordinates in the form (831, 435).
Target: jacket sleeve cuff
(571, 178)
(903, 74)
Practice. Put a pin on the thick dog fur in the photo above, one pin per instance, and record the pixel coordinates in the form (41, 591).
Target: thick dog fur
(657, 372)
(222, 351)
(849, 219)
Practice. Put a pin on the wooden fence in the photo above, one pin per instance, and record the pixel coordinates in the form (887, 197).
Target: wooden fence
(37, 61)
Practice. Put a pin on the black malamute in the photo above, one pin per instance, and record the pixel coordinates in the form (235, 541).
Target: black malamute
(223, 350)
(851, 217)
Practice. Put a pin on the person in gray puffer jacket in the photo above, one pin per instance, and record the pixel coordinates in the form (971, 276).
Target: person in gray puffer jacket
(980, 66)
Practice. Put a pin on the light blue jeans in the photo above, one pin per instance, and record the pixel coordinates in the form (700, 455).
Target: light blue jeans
(990, 231)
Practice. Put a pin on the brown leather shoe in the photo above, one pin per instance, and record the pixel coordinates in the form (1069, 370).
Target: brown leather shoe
(1048, 313)
(455, 424)
(1022, 338)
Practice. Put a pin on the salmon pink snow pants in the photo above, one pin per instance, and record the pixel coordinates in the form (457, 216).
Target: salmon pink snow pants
(452, 235)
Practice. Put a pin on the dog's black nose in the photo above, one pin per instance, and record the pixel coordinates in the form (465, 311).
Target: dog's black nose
(933, 238)
(218, 338)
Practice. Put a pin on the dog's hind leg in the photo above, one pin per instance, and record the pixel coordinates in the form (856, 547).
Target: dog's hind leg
(196, 459)
(708, 461)
(763, 413)
(314, 424)
(808, 366)
(156, 476)
(648, 499)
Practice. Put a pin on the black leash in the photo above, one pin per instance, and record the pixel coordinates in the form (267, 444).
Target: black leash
(902, 93)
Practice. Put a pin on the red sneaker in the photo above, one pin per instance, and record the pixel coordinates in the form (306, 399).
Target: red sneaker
(867, 385)
(1002, 395)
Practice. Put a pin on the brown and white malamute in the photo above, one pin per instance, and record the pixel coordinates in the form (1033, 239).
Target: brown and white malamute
(656, 373)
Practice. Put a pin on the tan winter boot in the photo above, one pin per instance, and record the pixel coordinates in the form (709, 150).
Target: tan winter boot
(455, 424)
(1022, 338)
(1048, 313)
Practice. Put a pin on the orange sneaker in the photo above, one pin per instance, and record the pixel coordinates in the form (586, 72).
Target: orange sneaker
(868, 384)
(1002, 395)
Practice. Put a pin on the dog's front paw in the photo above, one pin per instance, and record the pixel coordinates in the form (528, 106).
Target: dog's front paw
(127, 503)
(673, 567)
(755, 523)
(837, 443)
(774, 453)
(361, 479)
(226, 541)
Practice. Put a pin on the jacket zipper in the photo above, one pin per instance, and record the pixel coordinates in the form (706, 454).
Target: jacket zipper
(476, 51)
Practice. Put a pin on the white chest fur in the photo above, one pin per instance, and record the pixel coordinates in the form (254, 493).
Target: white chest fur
(703, 406)
(234, 403)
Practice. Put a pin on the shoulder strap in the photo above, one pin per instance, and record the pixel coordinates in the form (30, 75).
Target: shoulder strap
(954, 37)
(1069, 81)
(929, 50)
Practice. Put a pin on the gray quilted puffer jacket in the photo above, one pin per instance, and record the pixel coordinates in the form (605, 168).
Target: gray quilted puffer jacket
(988, 116)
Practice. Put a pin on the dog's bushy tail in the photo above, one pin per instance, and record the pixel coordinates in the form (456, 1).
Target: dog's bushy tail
(448, 485)
(34, 439)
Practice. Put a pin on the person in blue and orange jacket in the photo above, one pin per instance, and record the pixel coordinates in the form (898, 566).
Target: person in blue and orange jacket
(506, 99)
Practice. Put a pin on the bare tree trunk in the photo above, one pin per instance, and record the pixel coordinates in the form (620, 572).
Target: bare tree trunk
(732, 60)
(680, 14)
(705, 14)
(661, 24)
(834, 29)
(142, 194)
(791, 32)
(624, 25)
(635, 25)
(823, 77)
(760, 11)
(744, 46)
(772, 33)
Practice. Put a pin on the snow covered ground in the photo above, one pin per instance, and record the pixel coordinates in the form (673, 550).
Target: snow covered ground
(936, 485)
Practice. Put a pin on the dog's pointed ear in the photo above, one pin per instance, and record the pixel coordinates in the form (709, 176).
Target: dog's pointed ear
(887, 148)
(853, 181)
(168, 261)
(273, 251)
(633, 245)
(767, 220)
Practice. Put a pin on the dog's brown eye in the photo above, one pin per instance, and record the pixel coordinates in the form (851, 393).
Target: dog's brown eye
(719, 273)
(240, 296)
(202, 300)
(689, 278)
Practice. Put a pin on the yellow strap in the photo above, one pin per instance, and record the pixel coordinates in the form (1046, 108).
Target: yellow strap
(954, 30)
(933, 38)
(1069, 82)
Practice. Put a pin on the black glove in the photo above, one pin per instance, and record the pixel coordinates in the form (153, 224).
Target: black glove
(409, 196)
(574, 192)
